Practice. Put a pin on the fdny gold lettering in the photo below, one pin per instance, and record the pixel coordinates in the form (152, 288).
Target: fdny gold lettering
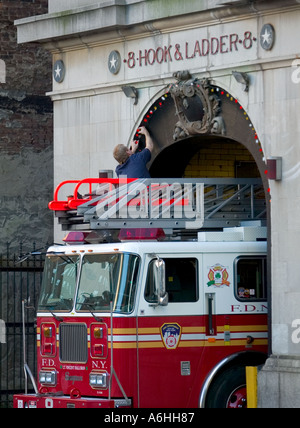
(249, 308)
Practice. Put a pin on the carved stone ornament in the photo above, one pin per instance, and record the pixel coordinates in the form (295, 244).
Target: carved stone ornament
(198, 108)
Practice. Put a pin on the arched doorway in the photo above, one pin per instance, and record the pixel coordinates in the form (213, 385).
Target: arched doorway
(205, 157)
(201, 131)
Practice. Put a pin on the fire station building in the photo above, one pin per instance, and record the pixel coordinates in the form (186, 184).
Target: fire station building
(218, 85)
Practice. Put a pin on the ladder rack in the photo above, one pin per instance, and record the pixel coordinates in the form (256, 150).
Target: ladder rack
(185, 205)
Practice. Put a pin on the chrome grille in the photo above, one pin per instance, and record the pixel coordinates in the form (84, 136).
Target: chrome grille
(73, 343)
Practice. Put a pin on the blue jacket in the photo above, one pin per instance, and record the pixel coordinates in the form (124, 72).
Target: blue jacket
(135, 166)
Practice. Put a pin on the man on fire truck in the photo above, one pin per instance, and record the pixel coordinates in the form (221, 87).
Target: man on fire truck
(133, 163)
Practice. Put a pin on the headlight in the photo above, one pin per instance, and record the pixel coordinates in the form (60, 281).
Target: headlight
(48, 378)
(48, 339)
(99, 380)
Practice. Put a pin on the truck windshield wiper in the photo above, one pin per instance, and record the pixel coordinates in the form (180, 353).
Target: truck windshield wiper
(91, 308)
(50, 309)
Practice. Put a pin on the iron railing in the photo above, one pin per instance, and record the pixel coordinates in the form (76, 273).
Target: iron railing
(19, 280)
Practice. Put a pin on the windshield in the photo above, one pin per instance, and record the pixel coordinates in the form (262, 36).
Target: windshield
(107, 278)
(59, 283)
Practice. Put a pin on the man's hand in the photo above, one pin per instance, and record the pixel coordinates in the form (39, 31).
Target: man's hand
(133, 147)
(149, 142)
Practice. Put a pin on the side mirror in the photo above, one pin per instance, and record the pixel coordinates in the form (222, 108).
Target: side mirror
(160, 282)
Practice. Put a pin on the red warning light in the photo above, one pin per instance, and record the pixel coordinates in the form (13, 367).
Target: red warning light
(76, 237)
(142, 235)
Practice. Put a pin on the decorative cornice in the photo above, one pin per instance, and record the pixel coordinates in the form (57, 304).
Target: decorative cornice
(116, 20)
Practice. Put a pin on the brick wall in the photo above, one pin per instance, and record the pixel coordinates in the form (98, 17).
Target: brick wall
(26, 132)
(223, 160)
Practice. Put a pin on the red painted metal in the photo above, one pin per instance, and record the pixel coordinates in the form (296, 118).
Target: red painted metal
(149, 373)
(73, 202)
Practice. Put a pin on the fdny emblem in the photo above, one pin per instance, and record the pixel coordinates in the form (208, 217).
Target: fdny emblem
(171, 334)
(218, 276)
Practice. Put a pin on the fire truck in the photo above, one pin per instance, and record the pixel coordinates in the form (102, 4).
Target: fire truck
(157, 299)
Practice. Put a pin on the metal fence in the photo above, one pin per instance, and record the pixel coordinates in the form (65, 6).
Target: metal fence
(20, 279)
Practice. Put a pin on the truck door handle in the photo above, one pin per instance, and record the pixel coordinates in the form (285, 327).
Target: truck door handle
(210, 302)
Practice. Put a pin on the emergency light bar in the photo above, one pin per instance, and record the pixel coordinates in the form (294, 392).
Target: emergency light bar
(142, 235)
(76, 238)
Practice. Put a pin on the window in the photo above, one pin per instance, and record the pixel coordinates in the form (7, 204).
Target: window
(59, 283)
(251, 278)
(181, 280)
(107, 278)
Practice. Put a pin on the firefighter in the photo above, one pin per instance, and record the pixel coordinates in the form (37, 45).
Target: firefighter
(133, 164)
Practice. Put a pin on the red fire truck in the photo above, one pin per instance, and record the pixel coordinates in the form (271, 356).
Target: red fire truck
(153, 319)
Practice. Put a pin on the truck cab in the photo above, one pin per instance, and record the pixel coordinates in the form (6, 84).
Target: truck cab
(149, 323)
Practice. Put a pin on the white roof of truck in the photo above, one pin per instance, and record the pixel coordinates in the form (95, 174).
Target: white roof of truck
(237, 240)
